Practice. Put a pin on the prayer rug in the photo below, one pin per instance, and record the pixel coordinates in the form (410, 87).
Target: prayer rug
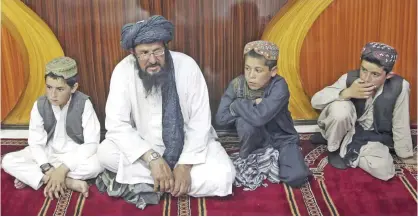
(329, 192)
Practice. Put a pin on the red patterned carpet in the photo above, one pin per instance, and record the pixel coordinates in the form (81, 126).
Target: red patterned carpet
(329, 192)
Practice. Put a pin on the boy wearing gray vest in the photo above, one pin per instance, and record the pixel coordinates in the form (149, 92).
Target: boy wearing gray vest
(63, 136)
(365, 114)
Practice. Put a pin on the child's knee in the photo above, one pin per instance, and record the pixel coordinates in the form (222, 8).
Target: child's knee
(341, 110)
(7, 162)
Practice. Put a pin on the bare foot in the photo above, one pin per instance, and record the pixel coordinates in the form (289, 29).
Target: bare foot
(78, 185)
(19, 184)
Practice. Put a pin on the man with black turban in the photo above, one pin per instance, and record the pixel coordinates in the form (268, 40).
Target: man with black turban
(159, 134)
(365, 115)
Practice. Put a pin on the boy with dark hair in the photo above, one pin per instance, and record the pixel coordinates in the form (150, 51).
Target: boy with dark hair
(365, 114)
(257, 103)
(63, 136)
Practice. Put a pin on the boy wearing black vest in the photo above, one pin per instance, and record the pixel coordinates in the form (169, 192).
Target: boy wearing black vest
(63, 136)
(365, 114)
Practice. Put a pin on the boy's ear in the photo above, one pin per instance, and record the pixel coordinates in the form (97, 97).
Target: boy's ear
(389, 75)
(74, 89)
(273, 71)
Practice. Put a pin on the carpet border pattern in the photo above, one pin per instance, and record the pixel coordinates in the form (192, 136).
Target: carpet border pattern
(183, 203)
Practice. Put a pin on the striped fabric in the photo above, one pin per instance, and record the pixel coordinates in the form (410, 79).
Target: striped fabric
(139, 194)
(258, 166)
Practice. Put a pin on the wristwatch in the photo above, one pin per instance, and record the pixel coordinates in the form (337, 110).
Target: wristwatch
(45, 167)
(153, 156)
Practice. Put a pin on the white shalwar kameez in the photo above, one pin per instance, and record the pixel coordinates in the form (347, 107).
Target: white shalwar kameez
(134, 126)
(81, 159)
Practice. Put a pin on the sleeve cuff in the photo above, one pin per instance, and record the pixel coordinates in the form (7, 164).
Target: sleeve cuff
(130, 144)
(41, 162)
(136, 154)
(338, 97)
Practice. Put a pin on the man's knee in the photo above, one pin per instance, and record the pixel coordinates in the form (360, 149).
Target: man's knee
(219, 185)
(108, 155)
(225, 175)
(341, 110)
(88, 169)
(94, 167)
(213, 179)
(101, 151)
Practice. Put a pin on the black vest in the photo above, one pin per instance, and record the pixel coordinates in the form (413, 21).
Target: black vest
(384, 104)
(74, 121)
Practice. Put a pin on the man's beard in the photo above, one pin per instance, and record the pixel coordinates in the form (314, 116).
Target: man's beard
(150, 81)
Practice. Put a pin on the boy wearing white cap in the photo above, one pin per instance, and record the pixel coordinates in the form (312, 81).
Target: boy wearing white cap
(64, 132)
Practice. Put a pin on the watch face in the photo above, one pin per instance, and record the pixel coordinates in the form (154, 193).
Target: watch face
(155, 155)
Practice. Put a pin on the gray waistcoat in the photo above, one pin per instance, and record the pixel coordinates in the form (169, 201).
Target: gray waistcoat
(383, 105)
(73, 123)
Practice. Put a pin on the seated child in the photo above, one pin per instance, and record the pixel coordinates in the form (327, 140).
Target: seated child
(63, 136)
(257, 103)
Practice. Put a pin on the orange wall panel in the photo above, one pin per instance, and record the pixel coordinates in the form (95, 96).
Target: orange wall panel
(334, 42)
(13, 77)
